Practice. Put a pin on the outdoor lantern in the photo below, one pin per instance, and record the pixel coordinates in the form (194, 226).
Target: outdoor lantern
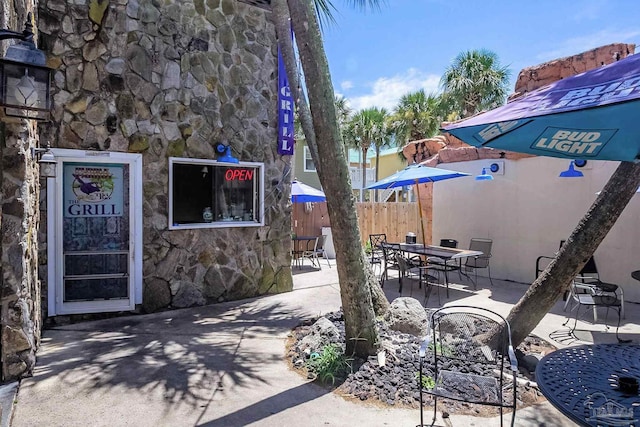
(25, 80)
(484, 176)
(46, 160)
(47, 165)
(571, 172)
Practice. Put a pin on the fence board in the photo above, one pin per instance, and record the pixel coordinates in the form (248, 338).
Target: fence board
(394, 219)
(309, 218)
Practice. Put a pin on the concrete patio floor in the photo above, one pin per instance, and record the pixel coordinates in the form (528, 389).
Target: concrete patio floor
(224, 365)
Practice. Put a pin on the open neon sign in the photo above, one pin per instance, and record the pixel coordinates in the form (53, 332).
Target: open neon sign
(239, 174)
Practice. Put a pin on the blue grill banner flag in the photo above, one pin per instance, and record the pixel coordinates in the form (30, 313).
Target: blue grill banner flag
(285, 111)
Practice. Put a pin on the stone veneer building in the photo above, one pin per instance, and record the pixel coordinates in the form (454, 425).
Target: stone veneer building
(144, 209)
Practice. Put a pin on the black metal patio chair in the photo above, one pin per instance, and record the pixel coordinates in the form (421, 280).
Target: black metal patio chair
(457, 363)
(481, 261)
(377, 257)
(595, 295)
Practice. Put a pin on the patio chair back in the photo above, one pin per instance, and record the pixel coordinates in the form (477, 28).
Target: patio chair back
(465, 367)
(390, 254)
(320, 249)
(482, 261)
(375, 240)
(589, 272)
(484, 246)
(594, 295)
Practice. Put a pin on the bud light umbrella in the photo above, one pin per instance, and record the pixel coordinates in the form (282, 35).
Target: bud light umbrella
(593, 115)
(415, 174)
(302, 193)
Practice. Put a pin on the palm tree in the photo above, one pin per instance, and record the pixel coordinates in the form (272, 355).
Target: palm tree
(367, 127)
(344, 115)
(475, 81)
(415, 117)
(342, 109)
(361, 295)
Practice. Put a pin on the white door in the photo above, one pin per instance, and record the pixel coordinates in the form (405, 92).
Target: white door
(94, 211)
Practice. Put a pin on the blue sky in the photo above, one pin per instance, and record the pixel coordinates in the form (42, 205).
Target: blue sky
(376, 57)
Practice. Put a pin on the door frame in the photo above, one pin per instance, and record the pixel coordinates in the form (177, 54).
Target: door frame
(56, 306)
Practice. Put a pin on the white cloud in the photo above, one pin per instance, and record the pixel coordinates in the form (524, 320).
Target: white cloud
(346, 85)
(576, 45)
(386, 91)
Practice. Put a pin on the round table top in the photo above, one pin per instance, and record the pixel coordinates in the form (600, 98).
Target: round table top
(582, 382)
(636, 274)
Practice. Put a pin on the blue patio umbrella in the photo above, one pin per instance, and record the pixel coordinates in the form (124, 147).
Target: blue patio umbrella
(415, 174)
(593, 115)
(302, 193)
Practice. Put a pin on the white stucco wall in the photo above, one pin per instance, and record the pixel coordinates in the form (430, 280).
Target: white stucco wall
(528, 210)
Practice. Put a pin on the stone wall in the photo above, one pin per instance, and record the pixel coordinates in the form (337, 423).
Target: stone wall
(19, 183)
(172, 78)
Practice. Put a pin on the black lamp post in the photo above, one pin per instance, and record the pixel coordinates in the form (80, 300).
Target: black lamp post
(25, 80)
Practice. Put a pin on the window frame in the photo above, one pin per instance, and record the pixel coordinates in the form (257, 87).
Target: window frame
(304, 160)
(258, 215)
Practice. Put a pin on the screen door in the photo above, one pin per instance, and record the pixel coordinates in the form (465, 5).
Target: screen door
(95, 250)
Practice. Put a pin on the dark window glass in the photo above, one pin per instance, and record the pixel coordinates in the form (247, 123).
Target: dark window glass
(209, 193)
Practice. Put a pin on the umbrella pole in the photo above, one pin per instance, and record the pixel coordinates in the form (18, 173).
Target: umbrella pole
(424, 241)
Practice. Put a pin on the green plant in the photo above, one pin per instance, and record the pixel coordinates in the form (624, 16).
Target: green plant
(329, 364)
(367, 248)
(426, 381)
(441, 349)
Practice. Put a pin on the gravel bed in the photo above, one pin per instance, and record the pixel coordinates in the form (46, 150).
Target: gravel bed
(395, 383)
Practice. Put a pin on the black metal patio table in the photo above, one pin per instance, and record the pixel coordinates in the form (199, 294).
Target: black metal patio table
(443, 253)
(582, 383)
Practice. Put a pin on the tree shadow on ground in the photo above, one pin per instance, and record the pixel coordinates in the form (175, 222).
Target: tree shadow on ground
(269, 406)
(181, 355)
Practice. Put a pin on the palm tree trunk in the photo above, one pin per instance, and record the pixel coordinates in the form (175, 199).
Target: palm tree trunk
(358, 289)
(377, 176)
(364, 168)
(574, 254)
(282, 22)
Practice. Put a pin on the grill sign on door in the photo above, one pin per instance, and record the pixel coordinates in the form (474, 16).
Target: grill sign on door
(93, 191)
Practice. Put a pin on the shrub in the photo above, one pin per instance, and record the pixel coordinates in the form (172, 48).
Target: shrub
(329, 364)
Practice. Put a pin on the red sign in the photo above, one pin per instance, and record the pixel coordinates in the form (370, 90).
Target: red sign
(239, 174)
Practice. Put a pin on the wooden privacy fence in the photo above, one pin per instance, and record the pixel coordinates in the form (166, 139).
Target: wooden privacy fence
(394, 219)
(307, 219)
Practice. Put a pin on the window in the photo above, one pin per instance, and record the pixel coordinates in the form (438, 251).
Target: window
(210, 194)
(308, 161)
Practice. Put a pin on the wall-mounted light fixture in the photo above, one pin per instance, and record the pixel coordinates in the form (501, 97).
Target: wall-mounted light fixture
(484, 176)
(580, 163)
(571, 172)
(25, 80)
(46, 160)
(224, 152)
(496, 167)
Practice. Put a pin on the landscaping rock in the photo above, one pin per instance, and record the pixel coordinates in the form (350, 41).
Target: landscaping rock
(407, 315)
(393, 383)
(322, 332)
